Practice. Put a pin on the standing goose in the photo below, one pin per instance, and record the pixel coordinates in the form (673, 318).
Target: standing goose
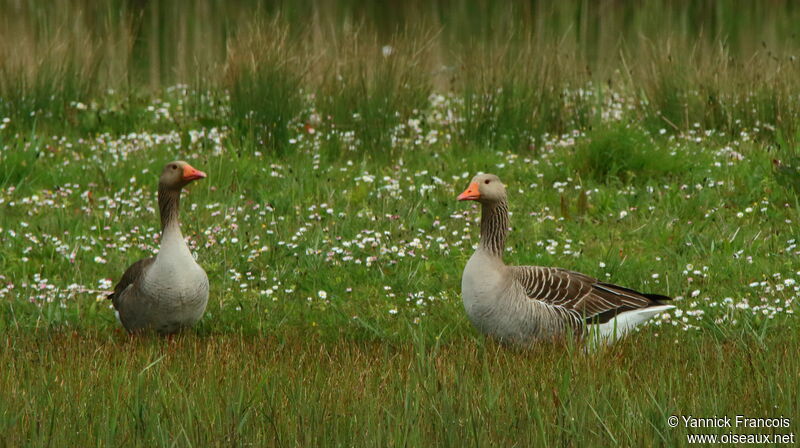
(525, 304)
(169, 291)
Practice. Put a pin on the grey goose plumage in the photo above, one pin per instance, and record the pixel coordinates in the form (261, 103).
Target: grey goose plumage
(167, 292)
(525, 304)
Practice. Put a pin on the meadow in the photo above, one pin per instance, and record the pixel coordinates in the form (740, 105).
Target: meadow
(651, 144)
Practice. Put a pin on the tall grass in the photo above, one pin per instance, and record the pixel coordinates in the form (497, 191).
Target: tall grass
(264, 75)
(370, 87)
(511, 96)
(717, 89)
(520, 68)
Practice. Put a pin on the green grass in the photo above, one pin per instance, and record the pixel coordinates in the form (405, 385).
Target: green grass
(622, 151)
(228, 389)
(636, 150)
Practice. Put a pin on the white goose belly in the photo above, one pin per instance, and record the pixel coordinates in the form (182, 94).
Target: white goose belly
(491, 300)
(177, 295)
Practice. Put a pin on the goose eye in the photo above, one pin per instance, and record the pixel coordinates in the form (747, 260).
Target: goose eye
(174, 167)
(486, 181)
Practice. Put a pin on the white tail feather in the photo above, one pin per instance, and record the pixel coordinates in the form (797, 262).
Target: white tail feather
(623, 323)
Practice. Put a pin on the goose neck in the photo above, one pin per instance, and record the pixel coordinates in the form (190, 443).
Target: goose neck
(494, 227)
(169, 200)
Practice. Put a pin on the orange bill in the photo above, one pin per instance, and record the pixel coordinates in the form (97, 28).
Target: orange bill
(471, 193)
(191, 173)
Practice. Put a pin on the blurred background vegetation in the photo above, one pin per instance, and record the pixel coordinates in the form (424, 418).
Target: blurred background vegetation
(520, 69)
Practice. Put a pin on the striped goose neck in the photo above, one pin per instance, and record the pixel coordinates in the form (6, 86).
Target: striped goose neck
(494, 227)
(169, 200)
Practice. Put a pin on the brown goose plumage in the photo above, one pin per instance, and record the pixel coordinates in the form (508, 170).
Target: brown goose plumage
(524, 304)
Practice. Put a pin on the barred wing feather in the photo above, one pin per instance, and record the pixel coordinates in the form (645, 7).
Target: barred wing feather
(594, 300)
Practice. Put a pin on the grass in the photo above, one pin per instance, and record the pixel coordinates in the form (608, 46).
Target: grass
(625, 152)
(636, 150)
(228, 389)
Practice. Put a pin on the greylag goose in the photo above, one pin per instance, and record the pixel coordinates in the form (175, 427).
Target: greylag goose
(169, 291)
(526, 304)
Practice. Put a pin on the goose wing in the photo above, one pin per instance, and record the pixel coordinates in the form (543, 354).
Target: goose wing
(596, 301)
(131, 276)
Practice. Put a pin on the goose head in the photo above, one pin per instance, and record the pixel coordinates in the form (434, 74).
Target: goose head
(178, 174)
(484, 188)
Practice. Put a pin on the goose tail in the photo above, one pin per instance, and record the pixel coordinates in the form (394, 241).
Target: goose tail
(624, 322)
